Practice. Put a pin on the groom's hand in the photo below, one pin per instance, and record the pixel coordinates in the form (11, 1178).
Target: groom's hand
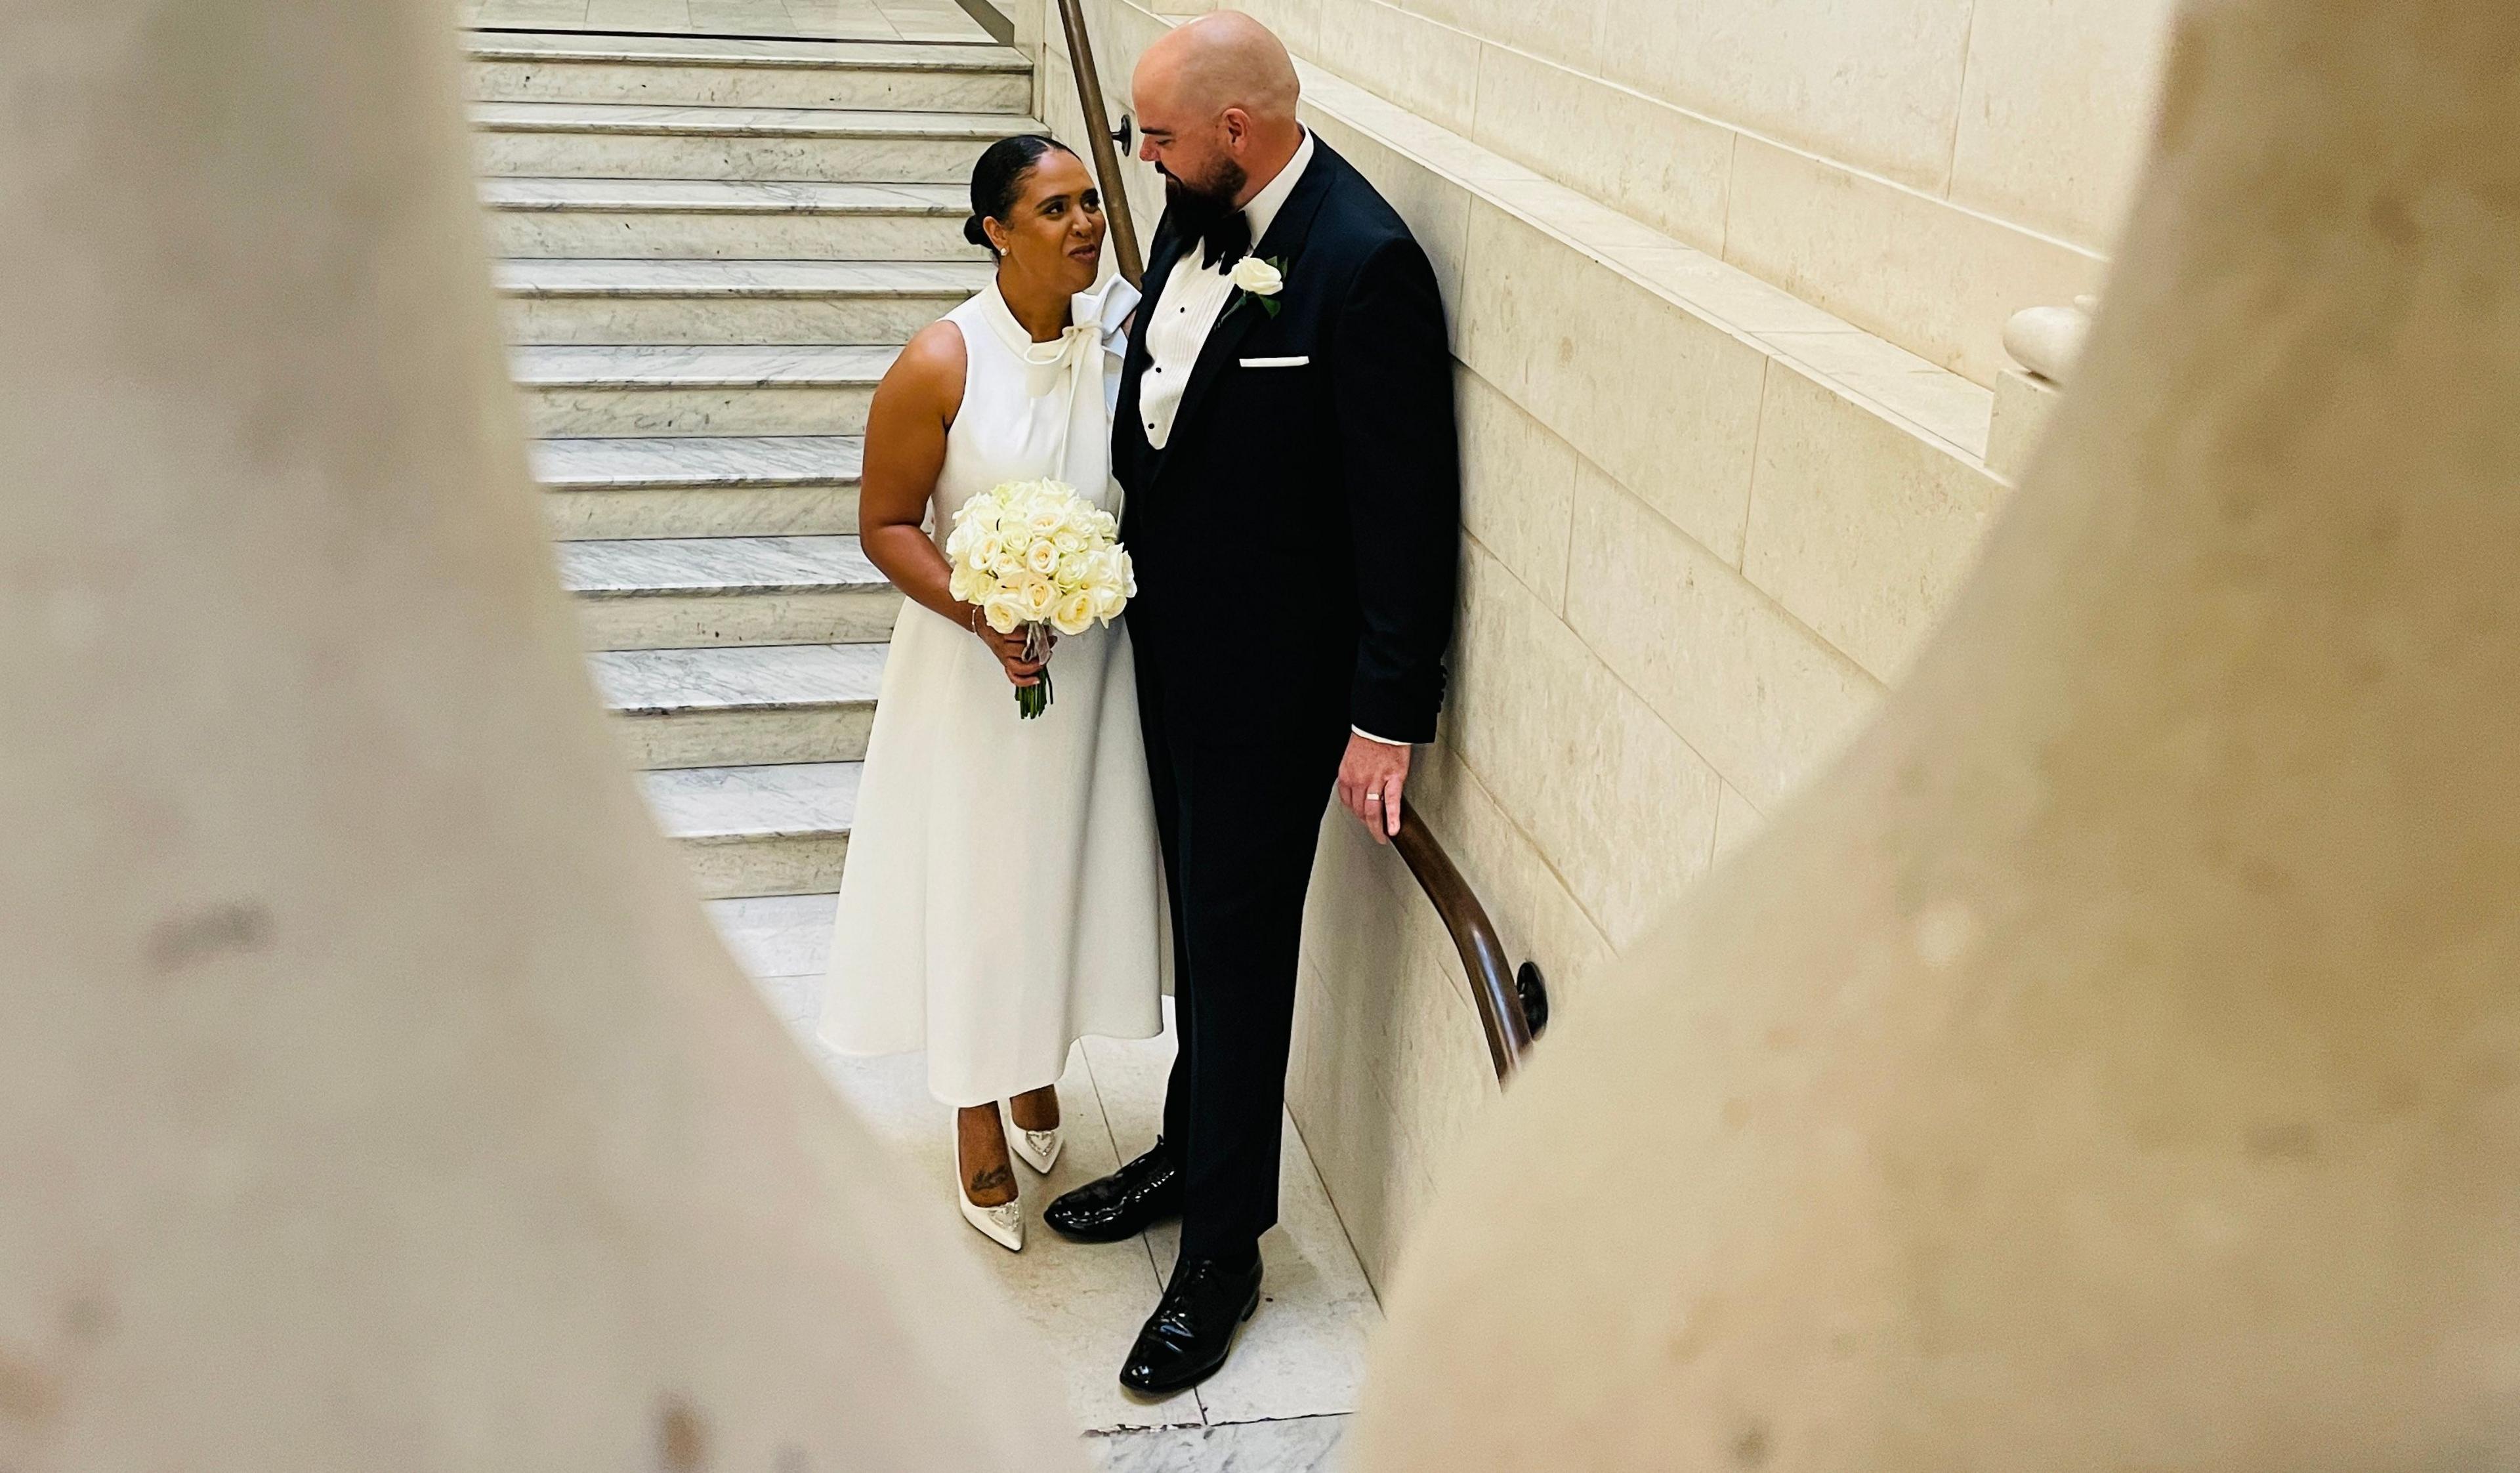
(1371, 778)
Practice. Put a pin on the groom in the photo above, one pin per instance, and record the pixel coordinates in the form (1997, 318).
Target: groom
(1286, 436)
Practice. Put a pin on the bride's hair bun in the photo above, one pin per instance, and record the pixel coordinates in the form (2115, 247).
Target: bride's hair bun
(998, 180)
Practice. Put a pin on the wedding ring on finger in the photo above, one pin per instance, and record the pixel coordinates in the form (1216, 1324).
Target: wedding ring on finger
(1374, 797)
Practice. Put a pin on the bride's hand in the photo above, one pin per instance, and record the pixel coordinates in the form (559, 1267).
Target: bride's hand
(1022, 671)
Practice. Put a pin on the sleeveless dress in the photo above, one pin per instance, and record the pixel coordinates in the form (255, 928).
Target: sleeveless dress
(1004, 885)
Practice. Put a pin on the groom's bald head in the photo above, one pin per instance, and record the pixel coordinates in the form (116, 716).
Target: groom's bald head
(1216, 101)
(1221, 60)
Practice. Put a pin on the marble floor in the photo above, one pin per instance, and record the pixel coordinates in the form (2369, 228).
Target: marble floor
(827, 20)
(1280, 1406)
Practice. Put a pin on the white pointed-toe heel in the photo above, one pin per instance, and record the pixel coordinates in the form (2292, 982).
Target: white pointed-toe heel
(1002, 1225)
(1038, 1148)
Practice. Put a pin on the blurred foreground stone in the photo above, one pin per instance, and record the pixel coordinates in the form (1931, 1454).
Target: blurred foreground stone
(2112, 1064)
(373, 1094)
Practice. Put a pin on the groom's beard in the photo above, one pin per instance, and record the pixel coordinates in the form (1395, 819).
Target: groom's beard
(1198, 206)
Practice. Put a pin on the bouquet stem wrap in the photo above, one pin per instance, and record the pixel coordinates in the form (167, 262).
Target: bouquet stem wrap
(1032, 701)
(1037, 557)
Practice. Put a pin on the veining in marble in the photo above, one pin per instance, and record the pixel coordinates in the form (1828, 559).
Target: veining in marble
(776, 935)
(675, 410)
(755, 802)
(1085, 1301)
(744, 196)
(1304, 1353)
(700, 621)
(697, 388)
(526, 149)
(597, 463)
(696, 365)
(937, 89)
(752, 317)
(662, 681)
(747, 51)
(745, 123)
(784, 865)
(831, 731)
(955, 281)
(727, 235)
(617, 513)
(1300, 1445)
(698, 564)
(851, 20)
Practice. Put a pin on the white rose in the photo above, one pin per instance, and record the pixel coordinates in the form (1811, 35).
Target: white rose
(1258, 277)
(1006, 565)
(1042, 558)
(1045, 522)
(984, 553)
(1108, 602)
(966, 586)
(1037, 595)
(1068, 540)
(1004, 611)
(1074, 615)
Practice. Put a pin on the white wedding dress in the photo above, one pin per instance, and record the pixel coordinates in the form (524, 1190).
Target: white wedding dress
(1004, 886)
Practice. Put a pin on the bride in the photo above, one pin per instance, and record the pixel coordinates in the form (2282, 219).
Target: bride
(1003, 883)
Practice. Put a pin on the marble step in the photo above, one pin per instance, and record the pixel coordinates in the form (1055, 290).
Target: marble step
(694, 592)
(778, 935)
(742, 705)
(697, 219)
(759, 830)
(699, 486)
(697, 389)
(700, 71)
(637, 141)
(653, 301)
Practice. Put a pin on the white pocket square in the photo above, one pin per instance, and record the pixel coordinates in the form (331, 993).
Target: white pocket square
(1276, 361)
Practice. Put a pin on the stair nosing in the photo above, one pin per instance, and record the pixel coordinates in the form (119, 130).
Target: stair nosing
(949, 206)
(987, 60)
(847, 569)
(504, 278)
(524, 371)
(693, 478)
(765, 834)
(871, 657)
(799, 122)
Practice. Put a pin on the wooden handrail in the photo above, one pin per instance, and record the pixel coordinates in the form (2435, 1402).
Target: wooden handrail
(1099, 134)
(1513, 1005)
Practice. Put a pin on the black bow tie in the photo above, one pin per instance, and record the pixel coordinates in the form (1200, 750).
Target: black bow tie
(1227, 239)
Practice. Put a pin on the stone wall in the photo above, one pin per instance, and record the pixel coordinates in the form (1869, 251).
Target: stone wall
(1705, 522)
(1922, 168)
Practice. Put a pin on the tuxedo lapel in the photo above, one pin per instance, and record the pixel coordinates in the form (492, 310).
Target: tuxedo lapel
(1284, 241)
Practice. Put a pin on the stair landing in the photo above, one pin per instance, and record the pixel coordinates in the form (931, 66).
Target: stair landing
(1278, 1407)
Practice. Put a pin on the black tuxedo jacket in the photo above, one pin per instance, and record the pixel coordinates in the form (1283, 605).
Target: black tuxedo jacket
(1333, 486)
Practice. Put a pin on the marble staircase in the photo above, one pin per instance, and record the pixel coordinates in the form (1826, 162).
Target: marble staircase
(710, 251)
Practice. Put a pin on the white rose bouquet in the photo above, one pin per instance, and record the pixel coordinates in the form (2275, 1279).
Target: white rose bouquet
(1035, 556)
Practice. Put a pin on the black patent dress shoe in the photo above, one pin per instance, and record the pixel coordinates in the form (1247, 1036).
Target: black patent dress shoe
(1123, 1204)
(1192, 1331)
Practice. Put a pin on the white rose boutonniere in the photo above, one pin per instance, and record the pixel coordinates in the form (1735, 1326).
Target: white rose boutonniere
(1260, 281)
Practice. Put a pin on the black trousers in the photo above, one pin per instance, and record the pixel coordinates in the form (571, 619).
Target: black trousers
(1240, 786)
